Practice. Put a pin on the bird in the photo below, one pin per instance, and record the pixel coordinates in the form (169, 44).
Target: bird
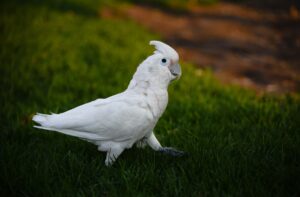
(118, 122)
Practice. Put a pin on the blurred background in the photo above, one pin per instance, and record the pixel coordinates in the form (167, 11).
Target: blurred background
(252, 43)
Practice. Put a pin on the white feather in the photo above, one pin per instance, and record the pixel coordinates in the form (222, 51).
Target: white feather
(119, 121)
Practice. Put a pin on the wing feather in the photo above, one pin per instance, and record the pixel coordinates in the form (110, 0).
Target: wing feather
(117, 118)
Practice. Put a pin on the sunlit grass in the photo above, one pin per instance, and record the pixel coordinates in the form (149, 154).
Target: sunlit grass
(55, 56)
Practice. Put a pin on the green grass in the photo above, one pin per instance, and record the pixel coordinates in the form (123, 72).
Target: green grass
(56, 55)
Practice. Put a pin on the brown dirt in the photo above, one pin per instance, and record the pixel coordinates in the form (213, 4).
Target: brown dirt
(243, 44)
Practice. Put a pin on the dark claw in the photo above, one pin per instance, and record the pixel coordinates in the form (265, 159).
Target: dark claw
(172, 151)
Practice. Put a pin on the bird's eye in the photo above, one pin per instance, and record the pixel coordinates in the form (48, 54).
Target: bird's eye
(164, 61)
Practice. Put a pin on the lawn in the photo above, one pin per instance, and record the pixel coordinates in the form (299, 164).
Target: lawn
(56, 55)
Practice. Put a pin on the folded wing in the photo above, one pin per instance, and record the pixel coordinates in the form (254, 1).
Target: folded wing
(116, 118)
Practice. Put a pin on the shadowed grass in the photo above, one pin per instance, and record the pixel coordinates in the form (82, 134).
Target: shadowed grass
(53, 59)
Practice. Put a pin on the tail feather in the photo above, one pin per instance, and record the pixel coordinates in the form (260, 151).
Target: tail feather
(45, 122)
(74, 133)
(40, 118)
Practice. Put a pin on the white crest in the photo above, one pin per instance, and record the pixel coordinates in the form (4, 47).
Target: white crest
(164, 49)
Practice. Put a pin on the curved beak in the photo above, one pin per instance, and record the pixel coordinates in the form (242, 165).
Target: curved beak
(175, 70)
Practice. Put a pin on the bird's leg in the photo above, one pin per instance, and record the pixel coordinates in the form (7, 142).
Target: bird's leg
(153, 142)
(112, 155)
(155, 145)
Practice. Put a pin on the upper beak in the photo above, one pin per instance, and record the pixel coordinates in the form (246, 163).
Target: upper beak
(175, 69)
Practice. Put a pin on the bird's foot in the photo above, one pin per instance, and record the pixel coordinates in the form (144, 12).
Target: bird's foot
(172, 151)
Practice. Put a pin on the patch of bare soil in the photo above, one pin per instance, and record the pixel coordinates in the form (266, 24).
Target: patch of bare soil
(243, 44)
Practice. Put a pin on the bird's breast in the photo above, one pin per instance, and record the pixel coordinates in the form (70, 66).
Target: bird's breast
(156, 102)
(154, 98)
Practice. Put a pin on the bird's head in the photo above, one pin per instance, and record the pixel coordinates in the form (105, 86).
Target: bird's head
(161, 67)
(166, 59)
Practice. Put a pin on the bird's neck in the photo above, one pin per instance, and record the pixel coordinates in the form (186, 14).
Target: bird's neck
(143, 84)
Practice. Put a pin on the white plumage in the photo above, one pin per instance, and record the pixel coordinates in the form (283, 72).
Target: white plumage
(119, 121)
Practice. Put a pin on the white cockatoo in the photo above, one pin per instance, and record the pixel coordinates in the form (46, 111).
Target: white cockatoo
(117, 122)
